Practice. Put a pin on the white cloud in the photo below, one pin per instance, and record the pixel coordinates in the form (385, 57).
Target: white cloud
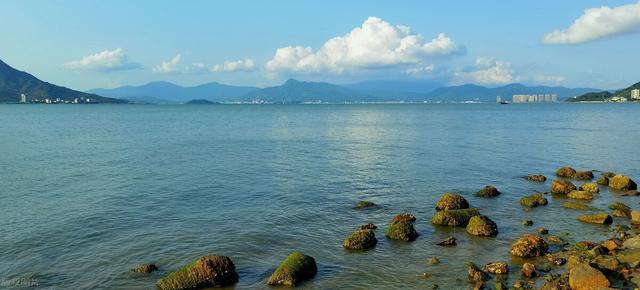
(169, 65)
(246, 64)
(597, 23)
(375, 44)
(421, 70)
(107, 60)
(548, 80)
(487, 71)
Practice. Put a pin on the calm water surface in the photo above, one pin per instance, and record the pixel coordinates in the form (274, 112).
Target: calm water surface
(87, 192)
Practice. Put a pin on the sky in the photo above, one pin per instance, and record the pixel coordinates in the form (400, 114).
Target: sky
(104, 44)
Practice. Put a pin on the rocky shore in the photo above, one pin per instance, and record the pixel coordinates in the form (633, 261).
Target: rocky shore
(541, 259)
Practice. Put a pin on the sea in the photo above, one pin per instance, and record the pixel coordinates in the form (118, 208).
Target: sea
(88, 192)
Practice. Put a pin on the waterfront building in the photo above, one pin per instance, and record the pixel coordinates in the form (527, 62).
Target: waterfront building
(23, 98)
(535, 98)
(635, 94)
(619, 99)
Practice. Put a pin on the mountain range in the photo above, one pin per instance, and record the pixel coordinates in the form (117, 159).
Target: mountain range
(603, 96)
(166, 92)
(14, 83)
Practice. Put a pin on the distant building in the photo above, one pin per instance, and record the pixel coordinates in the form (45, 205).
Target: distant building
(539, 98)
(498, 99)
(619, 99)
(23, 98)
(635, 94)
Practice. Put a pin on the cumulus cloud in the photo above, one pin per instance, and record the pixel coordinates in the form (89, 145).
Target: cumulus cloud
(375, 44)
(487, 71)
(246, 64)
(107, 60)
(597, 23)
(169, 65)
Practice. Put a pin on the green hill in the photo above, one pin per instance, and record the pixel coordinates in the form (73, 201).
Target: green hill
(605, 96)
(13, 83)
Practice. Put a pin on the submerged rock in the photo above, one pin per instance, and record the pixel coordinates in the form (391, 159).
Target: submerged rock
(603, 180)
(527, 223)
(496, 268)
(296, 268)
(601, 218)
(566, 172)
(448, 242)
(529, 246)
(482, 226)
(590, 187)
(207, 271)
(368, 226)
(476, 276)
(434, 261)
(364, 204)
(562, 186)
(488, 191)
(543, 231)
(528, 270)
(536, 178)
(575, 205)
(622, 183)
(360, 240)
(583, 175)
(401, 228)
(585, 277)
(580, 194)
(454, 217)
(620, 209)
(452, 200)
(534, 200)
(145, 268)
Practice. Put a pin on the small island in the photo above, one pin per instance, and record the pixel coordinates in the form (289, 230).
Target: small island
(201, 102)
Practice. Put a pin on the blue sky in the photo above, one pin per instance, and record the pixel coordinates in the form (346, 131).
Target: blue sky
(91, 44)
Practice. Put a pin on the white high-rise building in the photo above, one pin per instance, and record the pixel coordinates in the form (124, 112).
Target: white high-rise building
(23, 98)
(635, 94)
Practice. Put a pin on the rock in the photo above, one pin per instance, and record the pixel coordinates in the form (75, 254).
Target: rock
(590, 187)
(536, 178)
(635, 217)
(600, 218)
(368, 226)
(575, 205)
(295, 269)
(528, 270)
(562, 186)
(434, 261)
(529, 246)
(556, 282)
(448, 242)
(597, 251)
(579, 194)
(620, 209)
(475, 274)
(622, 183)
(585, 277)
(566, 172)
(364, 204)
(527, 223)
(543, 231)
(482, 226)
(583, 175)
(454, 217)
(496, 268)
(630, 257)
(630, 193)
(632, 243)
(555, 240)
(534, 200)
(360, 240)
(452, 200)
(401, 228)
(145, 268)
(608, 174)
(488, 191)
(557, 261)
(586, 245)
(612, 245)
(207, 271)
(606, 263)
(603, 180)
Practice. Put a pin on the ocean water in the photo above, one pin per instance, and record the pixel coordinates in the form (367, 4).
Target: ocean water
(88, 192)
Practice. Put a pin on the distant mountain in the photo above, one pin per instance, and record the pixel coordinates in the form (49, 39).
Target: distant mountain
(168, 92)
(201, 102)
(293, 91)
(407, 90)
(604, 96)
(13, 83)
(471, 92)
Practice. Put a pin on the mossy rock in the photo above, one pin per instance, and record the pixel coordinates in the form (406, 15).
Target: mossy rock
(360, 240)
(603, 180)
(451, 200)
(482, 226)
(476, 275)
(580, 194)
(454, 217)
(401, 228)
(488, 191)
(536, 178)
(575, 205)
(583, 175)
(608, 174)
(600, 218)
(590, 187)
(295, 269)
(620, 209)
(622, 183)
(207, 271)
(562, 186)
(364, 204)
(498, 268)
(534, 200)
(566, 172)
(145, 268)
(583, 276)
(529, 246)
(368, 226)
